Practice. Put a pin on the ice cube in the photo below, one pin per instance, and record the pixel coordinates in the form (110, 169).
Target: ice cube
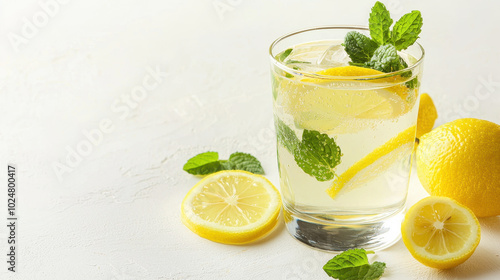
(334, 56)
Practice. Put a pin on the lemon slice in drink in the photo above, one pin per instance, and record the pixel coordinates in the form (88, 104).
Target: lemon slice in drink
(232, 207)
(384, 156)
(439, 232)
(375, 163)
(315, 106)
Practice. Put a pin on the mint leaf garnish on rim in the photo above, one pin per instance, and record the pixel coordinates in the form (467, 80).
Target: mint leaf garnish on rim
(406, 29)
(352, 265)
(359, 47)
(385, 59)
(380, 23)
(380, 52)
(208, 163)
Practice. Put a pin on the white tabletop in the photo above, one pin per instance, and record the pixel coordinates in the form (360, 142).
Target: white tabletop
(153, 83)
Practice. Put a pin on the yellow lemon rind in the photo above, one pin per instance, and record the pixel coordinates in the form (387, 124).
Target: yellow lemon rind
(460, 160)
(231, 235)
(427, 115)
(449, 260)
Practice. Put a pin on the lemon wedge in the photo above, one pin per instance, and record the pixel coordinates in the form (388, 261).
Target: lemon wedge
(427, 115)
(232, 207)
(384, 156)
(375, 163)
(439, 232)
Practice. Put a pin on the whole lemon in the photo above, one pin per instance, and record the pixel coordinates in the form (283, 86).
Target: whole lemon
(461, 160)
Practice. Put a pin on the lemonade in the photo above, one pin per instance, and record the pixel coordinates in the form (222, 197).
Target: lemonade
(345, 138)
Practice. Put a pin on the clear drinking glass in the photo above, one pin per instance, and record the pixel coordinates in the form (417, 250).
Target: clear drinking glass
(345, 139)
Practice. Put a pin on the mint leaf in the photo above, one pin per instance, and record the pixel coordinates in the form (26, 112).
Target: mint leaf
(246, 162)
(227, 165)
(318, 155)
(203, 164)
(358, 64)
(297, 62)
(286, 136)
(208, 163)
(349, 258)
(385, 59)
(363, 272)
(376, 270)
(353, 265)
(406, 29)
(404, 65)
(380, 23)
(359, 47)
(413, 83)
(281, 57)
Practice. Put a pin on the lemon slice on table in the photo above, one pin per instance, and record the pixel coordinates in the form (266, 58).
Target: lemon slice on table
(439, 232)
(232, 207)
(375, 163)
(315, 106)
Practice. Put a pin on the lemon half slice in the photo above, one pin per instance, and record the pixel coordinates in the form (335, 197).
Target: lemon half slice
(439, 232)
(232, 207)
(315, 105)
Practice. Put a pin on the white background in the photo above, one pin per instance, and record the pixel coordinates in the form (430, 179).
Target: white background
(112, 212)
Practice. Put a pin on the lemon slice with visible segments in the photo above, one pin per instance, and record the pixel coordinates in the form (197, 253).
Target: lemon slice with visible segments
(439, 232)
(232, 207)
(375, 163)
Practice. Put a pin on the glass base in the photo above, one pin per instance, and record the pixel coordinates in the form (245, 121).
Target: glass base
(333, 236)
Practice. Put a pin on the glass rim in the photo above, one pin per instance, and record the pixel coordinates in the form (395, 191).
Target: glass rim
(328, 77)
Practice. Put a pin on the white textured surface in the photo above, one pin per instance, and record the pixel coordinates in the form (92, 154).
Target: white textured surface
(115, 214)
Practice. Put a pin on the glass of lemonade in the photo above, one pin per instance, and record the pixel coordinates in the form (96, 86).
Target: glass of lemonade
(345, 139)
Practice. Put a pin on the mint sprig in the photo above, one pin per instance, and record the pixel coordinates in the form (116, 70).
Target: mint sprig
(380, 23)
(316, 154)
(208, 163)
(353, 265)
(380, 52)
